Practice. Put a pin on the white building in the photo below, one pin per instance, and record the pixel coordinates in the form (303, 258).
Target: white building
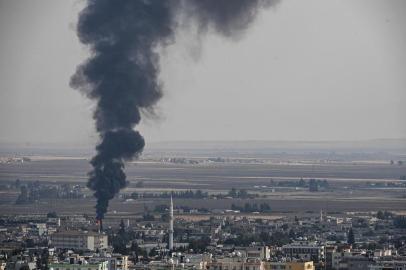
(260, 252)
(115, 261)
(79, 240)
(309, 251)
(79, 266)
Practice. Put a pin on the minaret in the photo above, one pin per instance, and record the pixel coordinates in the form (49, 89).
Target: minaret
(171, 225)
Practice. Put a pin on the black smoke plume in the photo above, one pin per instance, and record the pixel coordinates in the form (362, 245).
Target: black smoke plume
(121, 74)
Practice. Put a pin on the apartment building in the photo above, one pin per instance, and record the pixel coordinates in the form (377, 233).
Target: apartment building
(79, 240)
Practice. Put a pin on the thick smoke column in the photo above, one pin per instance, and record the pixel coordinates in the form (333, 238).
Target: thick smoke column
(121, 73)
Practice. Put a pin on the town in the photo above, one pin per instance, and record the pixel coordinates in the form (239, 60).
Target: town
(163, 239)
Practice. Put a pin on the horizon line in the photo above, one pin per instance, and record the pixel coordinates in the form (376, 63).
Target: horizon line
(82, 144)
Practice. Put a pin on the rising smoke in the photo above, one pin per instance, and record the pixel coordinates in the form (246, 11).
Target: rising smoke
(121, 74)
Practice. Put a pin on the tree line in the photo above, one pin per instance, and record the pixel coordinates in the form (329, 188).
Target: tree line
(254, 207)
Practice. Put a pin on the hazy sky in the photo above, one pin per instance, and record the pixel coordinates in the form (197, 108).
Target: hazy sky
(306, 70)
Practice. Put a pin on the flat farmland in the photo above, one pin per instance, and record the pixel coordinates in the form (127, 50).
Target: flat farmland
(209, 175)
(345, 195)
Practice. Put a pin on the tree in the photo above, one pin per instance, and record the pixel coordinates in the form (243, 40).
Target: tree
(232, 193)
(247, 207)
(153, 252)
(165, 217)
(380, 215)
(313, 185)
(264, 207)
(161, 208)
(139, 184)
(52, 214)
(23, 197)
(119, 242)
(134, 195)
(29, 243)
(199, 245)
(121, 231)
(148, 217)
(17, 183)
(135, 249)
(243, 194)
(42, 261)
(351, 237)
(292, 234)
(400, 222)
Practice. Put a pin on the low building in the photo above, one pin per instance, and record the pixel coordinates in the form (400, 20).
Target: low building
(388, 265)
(305, 251)
(175, 263)
(355, 263)
(260, 252)
(79, 266)
(297, 265)
(115, 261)
(235, 263)
(300, 265)
(79, 240)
